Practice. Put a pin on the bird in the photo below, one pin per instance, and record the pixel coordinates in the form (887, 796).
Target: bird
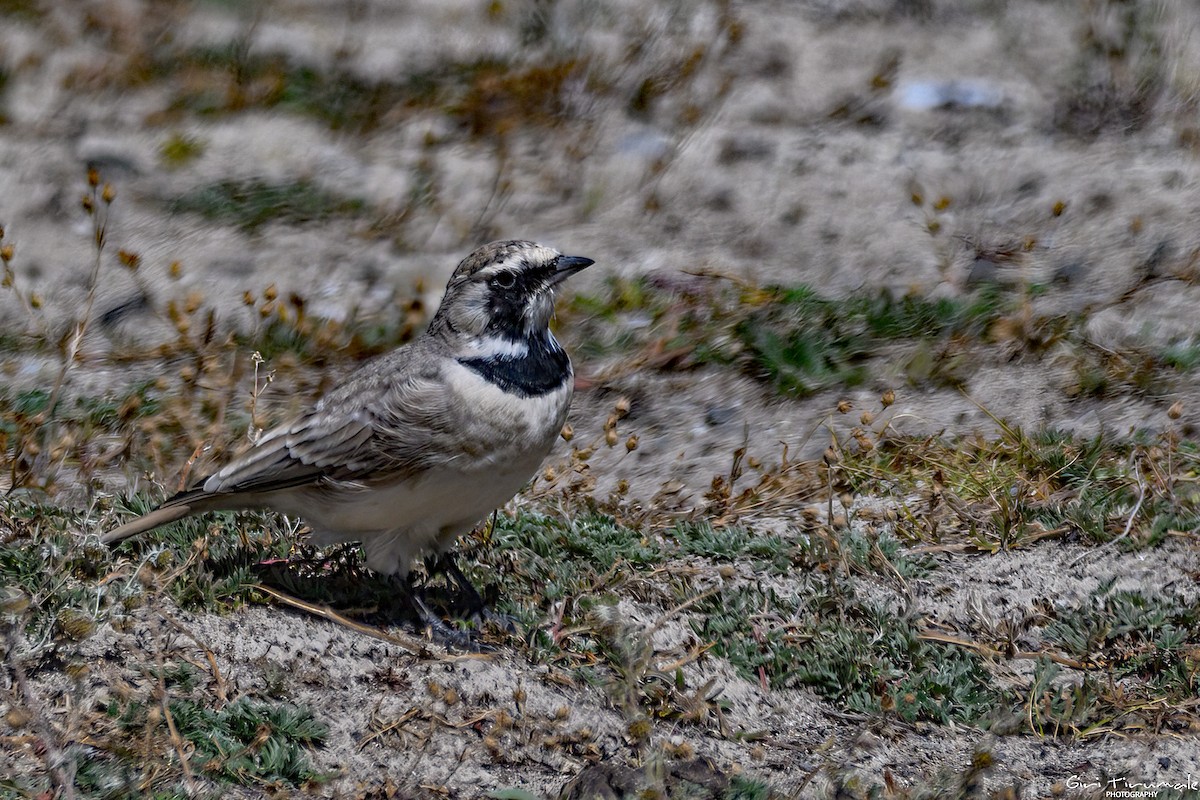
(414, 448)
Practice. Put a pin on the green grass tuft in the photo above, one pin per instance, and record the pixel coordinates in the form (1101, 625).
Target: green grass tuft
(251, 203)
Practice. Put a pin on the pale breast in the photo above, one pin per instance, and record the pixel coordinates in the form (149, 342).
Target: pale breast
(501, 428)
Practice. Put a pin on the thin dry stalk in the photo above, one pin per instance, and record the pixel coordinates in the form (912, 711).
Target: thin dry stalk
(59, 767)
(176, 740)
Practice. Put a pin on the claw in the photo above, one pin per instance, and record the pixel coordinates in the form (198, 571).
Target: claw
(439, 631)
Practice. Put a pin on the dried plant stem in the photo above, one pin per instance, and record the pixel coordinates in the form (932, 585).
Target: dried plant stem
(99, 238)
(59, 767)
(163, 699)
(256, 429)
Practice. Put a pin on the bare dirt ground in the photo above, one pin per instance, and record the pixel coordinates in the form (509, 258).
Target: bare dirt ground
(909, 145)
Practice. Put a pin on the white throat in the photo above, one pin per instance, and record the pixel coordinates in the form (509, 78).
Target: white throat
(496, 347)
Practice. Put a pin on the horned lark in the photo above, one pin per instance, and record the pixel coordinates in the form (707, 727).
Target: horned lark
(414, 448)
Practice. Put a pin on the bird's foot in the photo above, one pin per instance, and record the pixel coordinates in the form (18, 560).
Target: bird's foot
(477, 610)
(441, 633)
(455, 638)
(485, 616)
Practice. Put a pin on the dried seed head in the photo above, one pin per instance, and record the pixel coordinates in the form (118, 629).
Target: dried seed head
(887, 398)
(17, 717)
(6, 253)
(248, 298)
(639, 729)
(270, 293)
(610, 437)
(844, 406)
(108, 194)
(1176, 410)
(129, 259)
(684, 751)
(866, 418)
(14, 601)
(631, 443)
(611, 422)
(75, 624)
(93, 177)
(567, 433)
(548, 474)
(622, 406)
(88, 203)
(176, 269)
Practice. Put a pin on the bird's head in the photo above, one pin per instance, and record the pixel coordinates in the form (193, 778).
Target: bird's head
(506, 289)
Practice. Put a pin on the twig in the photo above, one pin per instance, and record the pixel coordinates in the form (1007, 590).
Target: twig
(100, 237)
(176, 739)
(256, 430)
(391, 726)
(686, 604)
(52, 754)
(983, 649)
(695, 653)
(1128, 525)
(222, 688)
(325, 612)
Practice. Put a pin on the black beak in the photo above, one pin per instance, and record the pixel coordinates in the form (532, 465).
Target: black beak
(566, 266)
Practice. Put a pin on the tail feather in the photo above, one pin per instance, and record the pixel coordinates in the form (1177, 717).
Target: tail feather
(159, 516)
(177, 507)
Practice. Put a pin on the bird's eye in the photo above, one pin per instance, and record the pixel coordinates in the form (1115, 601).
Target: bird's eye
(504, 280)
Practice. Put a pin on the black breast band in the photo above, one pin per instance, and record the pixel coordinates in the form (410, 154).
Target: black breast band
(542, 369)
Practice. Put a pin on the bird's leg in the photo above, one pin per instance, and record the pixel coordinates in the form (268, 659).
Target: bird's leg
(476, 607)
(439, 631)
(446, 565)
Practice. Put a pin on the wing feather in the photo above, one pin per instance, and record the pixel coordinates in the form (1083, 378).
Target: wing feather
(381, 422)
